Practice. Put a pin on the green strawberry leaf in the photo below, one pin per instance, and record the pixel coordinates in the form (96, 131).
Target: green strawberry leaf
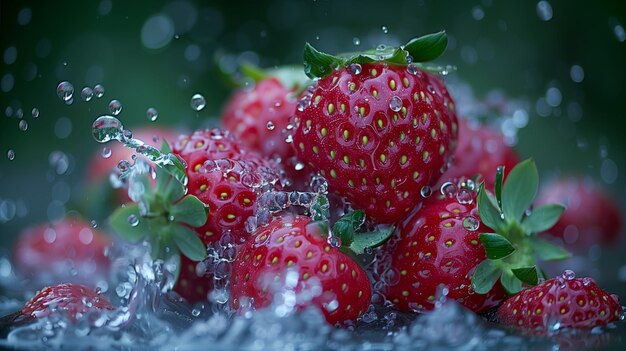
(165, 147)
(172, 188)
(498, 185)
(348, 225)
(427, 47)
(373, 239)
(519, 190)
(511, 283)
(528, 275)
(548, 251)
(489, 215)
(485, 276)
(382, 53)
(496, 246)
(190, 210)
(543, 218)
(188, 243)
(119, 222)
(318, 64)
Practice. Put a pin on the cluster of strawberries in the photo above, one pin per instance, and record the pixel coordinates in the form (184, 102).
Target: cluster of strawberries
(423, 197)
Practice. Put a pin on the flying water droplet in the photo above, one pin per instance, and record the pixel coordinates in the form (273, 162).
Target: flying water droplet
(356, 68)
(86, 94)
(133, 220)
(395, 104)
(356, 41)
(107, 128)
(198, 102)
(106, 152)
(471, 223)
(23, 125)
(426, 191)
(11, 154)
(544, 10)
(98, 90)
(152, 114)
(35, 112)
(65, 91)
(94, 224)
(115, 107)
(385, 29)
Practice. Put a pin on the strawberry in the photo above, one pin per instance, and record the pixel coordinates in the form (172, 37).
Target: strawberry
(591, 217)
(477, 244)
(479, 152)
(378, 129)
(295, 242)
(562, 302)
(70, 250)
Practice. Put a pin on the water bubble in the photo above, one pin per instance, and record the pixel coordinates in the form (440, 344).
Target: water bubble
(86, 94)
(115, 107)
(270, 125)
(11, 154)
(356, 41)
(23, 125)
(448, 189)
(133, 220)
(356, 68)
(198, 102)
(395, 104)
(106, 152)
(464, 196)
(98, 90)
(152, 114)
(426, 191)
(544, 10)
(471, 223)
(35, 112)
(385, 29)
(106, 128)
(65, 91)
(568, 274)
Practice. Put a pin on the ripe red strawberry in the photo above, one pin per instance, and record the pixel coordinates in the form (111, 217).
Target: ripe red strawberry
(378, 130)
(66, 251)
(439, 244)
(478, 245)
(562, 302)
(479, 152)
(294, 242)
(591, 215)
(73, 299)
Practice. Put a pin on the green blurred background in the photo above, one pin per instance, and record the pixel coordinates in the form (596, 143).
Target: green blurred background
(563, 60)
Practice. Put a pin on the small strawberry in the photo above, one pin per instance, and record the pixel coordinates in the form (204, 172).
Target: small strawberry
(339, 287)
(450, 240)
(562, 302)
(479, 152)
(591, 217)
(73, 300)
(70, 250)
(378, 128)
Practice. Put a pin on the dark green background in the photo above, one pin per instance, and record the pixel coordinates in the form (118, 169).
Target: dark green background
(515, 52)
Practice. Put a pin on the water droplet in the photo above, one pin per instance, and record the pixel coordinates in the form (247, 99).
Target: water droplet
(106, 128)
(471, 223)
(106, 152)
(426, 191)
(412, 69)
(98, 90)
(334, 241)
(23, 125)
(35, 112)
(123, 166)
(356, 41)
(356, 68)
(395, 104)
(152, 114)
(198, 102)
(332, 306)
(544, 10)
(94, 224)
(448, 189)
(133, 220)
(385, 29)
(270, 125)
(568, 274)
(464, 196)
(65, 91)
(620, 33)
(86, 94)
(115, 107)
(195, 312)
(553, 96)
(478, 13)
(11, 155)
(577, 73)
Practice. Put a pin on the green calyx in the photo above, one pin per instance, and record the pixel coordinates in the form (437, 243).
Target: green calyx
(417, 51)
(513, 249)
(163, 215)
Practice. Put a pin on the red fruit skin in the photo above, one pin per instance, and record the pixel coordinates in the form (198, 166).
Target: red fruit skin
(72, 299)
(291, 242)
(66, 251)
(190, 285)
(574, 303)
(479, 152)
(435, 248)
(377, 158)
(248, 112)
(591, 216)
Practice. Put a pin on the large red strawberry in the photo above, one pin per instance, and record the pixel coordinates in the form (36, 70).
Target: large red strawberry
(479, 152)
(475, 244)
(69, 250)
(591, 215)
(562, 302)
(333, 282)
(378, 129)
